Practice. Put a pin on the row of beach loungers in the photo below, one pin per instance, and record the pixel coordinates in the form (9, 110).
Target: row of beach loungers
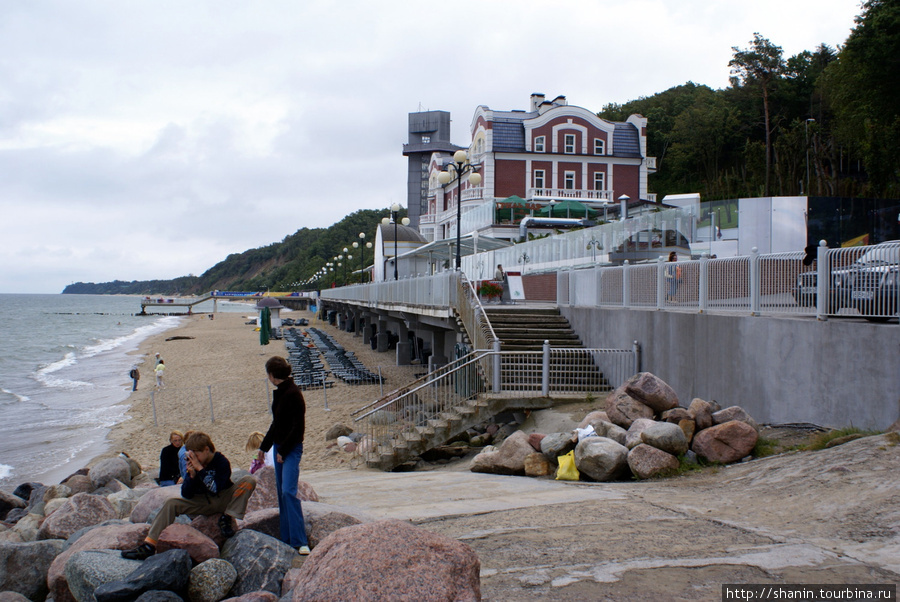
(343, 364)
(307, 368)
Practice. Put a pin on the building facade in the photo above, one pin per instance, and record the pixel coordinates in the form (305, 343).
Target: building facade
(530, 162)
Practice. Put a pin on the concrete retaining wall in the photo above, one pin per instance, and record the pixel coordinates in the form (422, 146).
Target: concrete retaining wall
(834, 373)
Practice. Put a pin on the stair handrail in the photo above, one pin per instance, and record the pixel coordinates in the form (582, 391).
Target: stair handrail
(474, 318)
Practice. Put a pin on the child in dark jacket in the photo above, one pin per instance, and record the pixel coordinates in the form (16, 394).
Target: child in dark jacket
(207, 490)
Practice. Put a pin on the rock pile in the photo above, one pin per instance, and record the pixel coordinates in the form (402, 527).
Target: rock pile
(63, 543)
(642, 432)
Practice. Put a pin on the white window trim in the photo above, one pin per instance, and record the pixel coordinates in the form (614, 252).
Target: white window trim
(602, 178)
(566, 145)
(602, 144)
(542, 174)
(542, 142)
(566, 176)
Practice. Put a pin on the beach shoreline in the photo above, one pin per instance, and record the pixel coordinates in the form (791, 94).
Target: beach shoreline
(215, 382)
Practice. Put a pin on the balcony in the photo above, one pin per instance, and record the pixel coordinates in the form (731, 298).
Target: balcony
(575, 194)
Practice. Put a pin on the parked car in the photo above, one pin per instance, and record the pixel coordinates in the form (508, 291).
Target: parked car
(871, 284)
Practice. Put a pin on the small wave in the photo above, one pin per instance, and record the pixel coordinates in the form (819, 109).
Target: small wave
(16, 396)
(68, 360)
(5, 471)
(139, 334)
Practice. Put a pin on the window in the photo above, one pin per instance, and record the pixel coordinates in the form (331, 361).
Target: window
(426, 139)
(539, 178)
(599, 180)
(539, 144)
(570, 144)
(599, 146)
(570, 180)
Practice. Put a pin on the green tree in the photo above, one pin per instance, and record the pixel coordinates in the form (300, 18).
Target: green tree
(759, 66)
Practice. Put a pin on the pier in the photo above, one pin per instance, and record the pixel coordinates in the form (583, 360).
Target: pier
(294, 300)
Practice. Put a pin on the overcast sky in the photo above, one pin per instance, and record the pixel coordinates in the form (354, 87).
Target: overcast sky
(143, 140)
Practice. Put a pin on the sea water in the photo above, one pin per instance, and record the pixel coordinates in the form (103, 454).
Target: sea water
(64, 363)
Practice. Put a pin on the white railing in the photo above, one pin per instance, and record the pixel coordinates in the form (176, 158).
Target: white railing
(856, 281)
(580, 194)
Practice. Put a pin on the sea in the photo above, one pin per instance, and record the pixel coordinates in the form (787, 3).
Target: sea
(64, 363)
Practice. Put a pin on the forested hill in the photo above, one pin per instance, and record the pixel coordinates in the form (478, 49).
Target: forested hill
(274, 267)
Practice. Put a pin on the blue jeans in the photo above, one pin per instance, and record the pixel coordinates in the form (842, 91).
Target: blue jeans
(287, 473)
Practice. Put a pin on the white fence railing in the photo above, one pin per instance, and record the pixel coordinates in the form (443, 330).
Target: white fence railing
(854, 281)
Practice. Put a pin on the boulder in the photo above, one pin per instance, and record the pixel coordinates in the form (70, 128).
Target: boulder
(80, 510)
(9, 501)
(27, 527)
(338, 430)
(593, 417)
(159, 596)
(184, 537)
(11, 596)
(266, 493)
(289, 583)
(623, 409)
(423, 565)
(734, 413)
(110, 469)
(633, 434)
(255, 597)
(89, 569)
(652, 391)
(211, 580)
(607, 429)
(688, 427)
(647, 462)
(53, 505)
(79, 483)
(152, 501)
(24, 566)
(534, 439)
(600, 458)
(56, 491)
(112, 537)
(261, 562)
(555, 445)
(675, 415)
(324, 519)
(725, 443)
(168, 571)
(266, 521)
(665, 436)
(124, 502)
(508, 459)
(537, 465)
(701, 411)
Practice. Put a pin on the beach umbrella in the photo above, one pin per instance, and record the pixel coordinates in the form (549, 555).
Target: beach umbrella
(568, 208)
(265, 326)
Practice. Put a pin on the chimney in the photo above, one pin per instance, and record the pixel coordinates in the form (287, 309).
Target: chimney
(536, 99)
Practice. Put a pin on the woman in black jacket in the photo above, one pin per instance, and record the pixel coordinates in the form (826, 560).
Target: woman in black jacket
(286, 436)
(169, 471)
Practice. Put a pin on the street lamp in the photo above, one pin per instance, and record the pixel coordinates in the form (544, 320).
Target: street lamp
(459, 167)
(395, 209)
(362, 255)
(593, 244)
(806, 127)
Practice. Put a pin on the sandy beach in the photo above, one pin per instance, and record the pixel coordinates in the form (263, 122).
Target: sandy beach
(215, 381)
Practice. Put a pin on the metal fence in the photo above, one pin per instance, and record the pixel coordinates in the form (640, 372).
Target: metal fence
(188, 405)
(858, 281)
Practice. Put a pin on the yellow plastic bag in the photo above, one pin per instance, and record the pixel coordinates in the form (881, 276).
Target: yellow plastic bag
(567, 470)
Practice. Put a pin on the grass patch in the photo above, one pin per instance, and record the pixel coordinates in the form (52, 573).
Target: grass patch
(766, 447)
(821, 440)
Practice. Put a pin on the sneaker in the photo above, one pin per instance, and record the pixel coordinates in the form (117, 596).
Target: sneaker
(142, 552)
(226, 526)
(303, 550)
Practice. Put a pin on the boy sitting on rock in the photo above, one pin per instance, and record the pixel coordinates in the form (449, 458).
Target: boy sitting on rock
(207, 490)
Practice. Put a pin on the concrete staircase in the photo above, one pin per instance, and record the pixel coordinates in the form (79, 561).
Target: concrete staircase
(521, 328)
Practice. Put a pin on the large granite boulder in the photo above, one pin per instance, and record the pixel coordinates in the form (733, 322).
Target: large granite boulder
(9, 501)
(652, 391)
(261, 562)
(211, 580)
(607, 429)
(24, 566)
(593, 417)
(324, 519)
(537, 465)
(79, 483)
(184, 537)
(665, 436)
(167, 571)
(701, 411)
(111, 537)
(111, 469)
(555, 445)
(647, 462)
(124, 502)
(601, 459)
(623, 409)
(79, 511)
(89, 569)
(151, 501)
(734, 413)
(266, 493)
(725, 443)
(508, 459)
(351, 564)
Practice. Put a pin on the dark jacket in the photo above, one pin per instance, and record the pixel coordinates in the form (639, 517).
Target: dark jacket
(288, 419)
(210, 481)
(168, 464)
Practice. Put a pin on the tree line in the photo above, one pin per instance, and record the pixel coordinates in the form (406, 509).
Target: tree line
(821, 123)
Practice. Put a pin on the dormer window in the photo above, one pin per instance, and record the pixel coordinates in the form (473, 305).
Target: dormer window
(569, 144)
(539, 144)
(599, 146)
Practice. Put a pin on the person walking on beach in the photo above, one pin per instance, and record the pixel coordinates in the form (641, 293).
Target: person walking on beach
(158, 359)
(160, 368)
(169, 471)
(135, 375)
(285, 435)
(207, 490)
